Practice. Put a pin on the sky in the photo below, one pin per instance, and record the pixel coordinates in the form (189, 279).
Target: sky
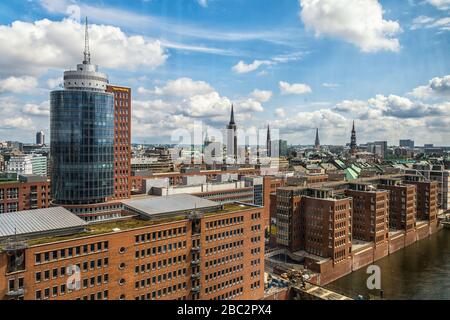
(297, 65)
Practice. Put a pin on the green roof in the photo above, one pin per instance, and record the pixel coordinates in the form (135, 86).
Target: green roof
(356, 168)
(340, 164)
(350, 174)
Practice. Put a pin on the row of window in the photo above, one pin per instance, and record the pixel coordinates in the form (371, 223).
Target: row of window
(224, 247)
(223, 260)
(159, 264)
(224, 222)
(256, 227)
(70, 252)
(160, 278)
(55, 291)
(101, 295)
(255, 262)
(231, 294)
(256, 216)
(160, 235)
(164, 292)
(92, 281)
(224, 235)
(160, 249)
(224, 272)
(223, 285)
(255, 285)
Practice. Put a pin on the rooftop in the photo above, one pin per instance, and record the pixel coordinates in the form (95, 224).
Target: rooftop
(132, 222)
(34, 222)
(155, 206)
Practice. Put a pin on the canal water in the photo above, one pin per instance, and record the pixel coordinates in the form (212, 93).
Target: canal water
(420, 272)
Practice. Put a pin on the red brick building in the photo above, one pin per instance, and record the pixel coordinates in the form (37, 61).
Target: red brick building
(370, 213)
(122, 141)
(24, 195)
(316, 221)
(427, 199)
(216, 254)
(402, 204)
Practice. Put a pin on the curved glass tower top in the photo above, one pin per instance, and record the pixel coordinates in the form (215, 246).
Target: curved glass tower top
(82, 137)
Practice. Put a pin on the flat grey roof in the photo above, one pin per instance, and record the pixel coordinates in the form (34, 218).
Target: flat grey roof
(38, 221)
(153, 206)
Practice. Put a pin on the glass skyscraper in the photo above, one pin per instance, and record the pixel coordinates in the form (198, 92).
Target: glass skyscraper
(82, 137)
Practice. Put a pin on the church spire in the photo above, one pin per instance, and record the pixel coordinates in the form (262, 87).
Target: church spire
(353, 145)
(317, 142)
(232, 115)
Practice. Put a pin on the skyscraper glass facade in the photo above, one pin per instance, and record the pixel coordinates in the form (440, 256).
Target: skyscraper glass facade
(82, 146)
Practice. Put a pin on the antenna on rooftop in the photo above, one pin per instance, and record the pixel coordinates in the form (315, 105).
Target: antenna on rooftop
(87, 52)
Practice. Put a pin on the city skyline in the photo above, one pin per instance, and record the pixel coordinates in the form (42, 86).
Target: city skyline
(392, 79)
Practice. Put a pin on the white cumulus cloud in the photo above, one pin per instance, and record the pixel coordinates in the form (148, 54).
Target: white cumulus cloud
(262, 95)
(438, 87)
(295, 88)
(183, 87)
(18, 84)
(35, 47)
(440, 4)
(359, 22)
(242, 67)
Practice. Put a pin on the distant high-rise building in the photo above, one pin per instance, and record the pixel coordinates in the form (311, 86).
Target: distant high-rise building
(82, 136)
(40, 138)
(232, 148)
(268, 142)
(28, 164)
(283, 148)
(407, 143)
(378, 147)
(353, 145)
(317, 142)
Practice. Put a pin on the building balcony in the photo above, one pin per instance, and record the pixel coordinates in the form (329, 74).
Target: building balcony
(195, 262)
(196, 275)
(15, 293)
(196, 249)
(12, 246)
(195, 289)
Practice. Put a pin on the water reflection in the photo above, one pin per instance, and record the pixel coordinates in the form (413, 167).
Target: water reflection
(420, 271)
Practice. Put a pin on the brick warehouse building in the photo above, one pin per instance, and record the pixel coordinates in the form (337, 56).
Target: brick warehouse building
(402, 204)
(216, 252)
(372, 234)
(316, 221)
(29, 192)
(370, 213)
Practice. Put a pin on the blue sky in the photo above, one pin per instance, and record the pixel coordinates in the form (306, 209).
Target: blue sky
(295, 64)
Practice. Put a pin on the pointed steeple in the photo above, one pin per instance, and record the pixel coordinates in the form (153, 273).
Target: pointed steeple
(87, 52)
(353, 145)
(317, 142)
(232, 115)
